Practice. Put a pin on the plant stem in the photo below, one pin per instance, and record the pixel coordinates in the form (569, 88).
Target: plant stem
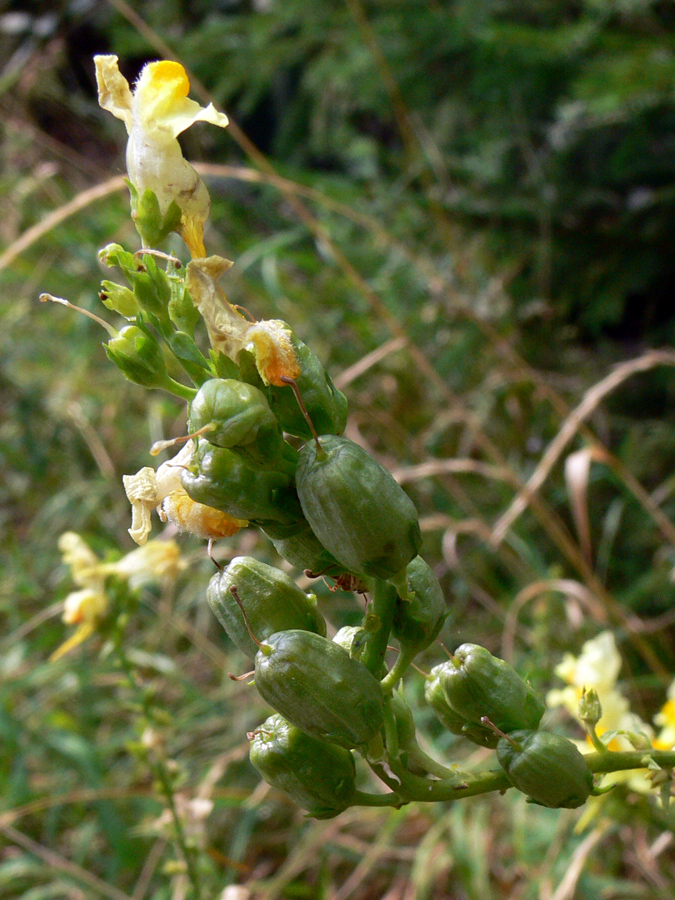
(160, 772)
(381, 610)
(621, 760)
(413, 787)
(362, 798)
(396, 672)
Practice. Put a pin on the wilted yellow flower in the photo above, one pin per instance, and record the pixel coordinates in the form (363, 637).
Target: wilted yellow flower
(162, 490)
(155, 113)
(229, 332)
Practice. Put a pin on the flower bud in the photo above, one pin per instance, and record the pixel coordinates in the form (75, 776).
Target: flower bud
(352, 638)
(318, 776)
(119, 299)
(139, 356)
(271, 601)
(590, 710)
(317, 686)
(547, 767)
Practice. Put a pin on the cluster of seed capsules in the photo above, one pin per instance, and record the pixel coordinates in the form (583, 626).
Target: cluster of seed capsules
(330, 507)
(275, 456)
(483, 698)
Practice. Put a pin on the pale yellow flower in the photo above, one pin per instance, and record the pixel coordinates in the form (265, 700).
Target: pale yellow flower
(84, 608)
(155, 113)
(597, 667)
(155, 560)
(80, 557)
(162, 490)
(665, 719)
(88, 607)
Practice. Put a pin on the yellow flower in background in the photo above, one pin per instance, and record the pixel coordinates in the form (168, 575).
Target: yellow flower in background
(88, 607)
(85, 608)
(665, 719)
(155, 113)
(154, 561)
(597, 667)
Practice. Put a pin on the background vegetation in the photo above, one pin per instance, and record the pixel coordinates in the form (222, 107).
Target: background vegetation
(468, 211)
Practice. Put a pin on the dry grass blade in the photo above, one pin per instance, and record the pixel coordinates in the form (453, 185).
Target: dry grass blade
(54, 219)
(567, 887)
(56, 861)
(577, 472)
(570, 427)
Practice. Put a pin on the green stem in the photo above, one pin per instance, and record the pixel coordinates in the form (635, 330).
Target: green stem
(432, 766)
(381, 610)
(412, 787)
(390, 730)
(397, 671)
(595, 740)
(161, 773)
(362, 798)
(181, 390)
(621, 760)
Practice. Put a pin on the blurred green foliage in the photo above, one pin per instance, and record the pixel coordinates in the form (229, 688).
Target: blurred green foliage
(491, 186)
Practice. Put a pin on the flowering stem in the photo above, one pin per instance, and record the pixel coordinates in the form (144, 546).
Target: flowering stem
(160, 771)
(622, 760)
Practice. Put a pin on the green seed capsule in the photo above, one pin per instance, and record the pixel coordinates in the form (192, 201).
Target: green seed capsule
(326, 405)
(547, 767)
(318, 776)
(356, 509)
(434, 694)
(239, 418)
(219, 478)
(405, 724)
(271, 600)
(418, 621)
(304, 551)
(317, 686)
(478, 684)
(235, 410)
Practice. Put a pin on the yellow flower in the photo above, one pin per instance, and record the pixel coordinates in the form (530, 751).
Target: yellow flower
(665, 719)
(81, 558)
(85, 609)
(162, 490)
(155, 560)
(597, 667)
(155, 113)
(88, 607)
